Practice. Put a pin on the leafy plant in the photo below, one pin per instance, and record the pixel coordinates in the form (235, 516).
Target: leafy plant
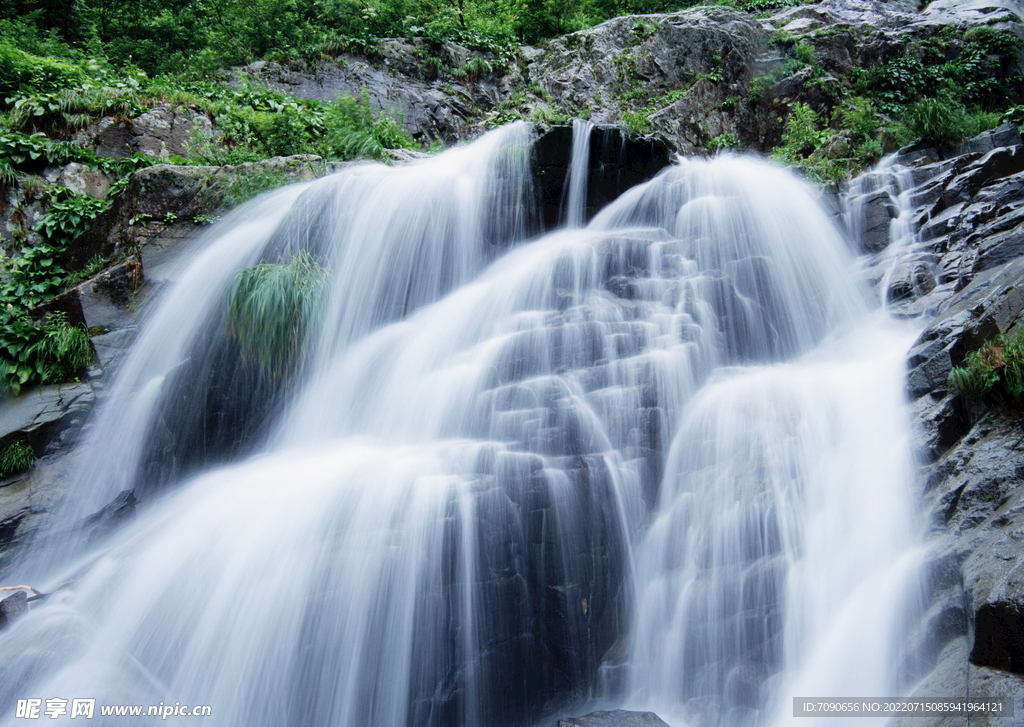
(69, 109)
(68, 218)
(273, 308)
(474, 69)
(724, 141)
(47, 352)
(949, 87)
(16, 457)
(996, 369)
(636, 121)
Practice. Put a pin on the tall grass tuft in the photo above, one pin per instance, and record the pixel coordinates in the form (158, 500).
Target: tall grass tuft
(274, 306)
(17, 457)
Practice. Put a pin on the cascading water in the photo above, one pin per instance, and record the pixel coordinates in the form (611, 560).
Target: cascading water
(632, 462)
(576, 178)
(880, 211)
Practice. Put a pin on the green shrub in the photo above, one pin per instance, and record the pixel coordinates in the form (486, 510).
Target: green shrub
(724, 141)
(19, 69)
(68, 218)
(636, 121)
(273, 308)
(944, 121)
(803, 134)
(48, 352)
(948, 86)
(995, 370)
(71, 108)
(16, 457)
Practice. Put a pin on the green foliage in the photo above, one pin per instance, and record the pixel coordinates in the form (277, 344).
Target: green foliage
(8, 174)
(724, 141)
(71, 108)
(68, 218)
(803, 134)
(830, 152)
(995, 370)
(47, 352)
(16, 457)
(949, 87)
(273, 308)
(94, 265)
(804, 53)
(636, 121)
(36, 273)
(19, 69)
(32, 151)
(256, 122)
(474, 69)
(757, 6)
(170, 36)
(942, 121)
(243, 186)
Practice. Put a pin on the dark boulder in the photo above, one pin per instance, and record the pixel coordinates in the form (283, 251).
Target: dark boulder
(615, 718)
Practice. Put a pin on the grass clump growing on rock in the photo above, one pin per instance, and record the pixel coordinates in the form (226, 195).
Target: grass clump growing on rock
(16, 457)
(273, 308)
(994, 370)
(943, 121)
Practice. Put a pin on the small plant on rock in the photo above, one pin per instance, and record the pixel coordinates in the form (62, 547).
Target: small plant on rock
(16, 457)
(996, 369)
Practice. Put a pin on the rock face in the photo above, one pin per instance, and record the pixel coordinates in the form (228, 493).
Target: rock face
(432, 94)
(966, 210)
(163, 131)
(618, 160)
(700, 79)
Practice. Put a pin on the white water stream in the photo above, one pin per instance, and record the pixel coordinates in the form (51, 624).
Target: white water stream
(660, 461)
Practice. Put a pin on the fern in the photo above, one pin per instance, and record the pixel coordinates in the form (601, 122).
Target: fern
(996, 370)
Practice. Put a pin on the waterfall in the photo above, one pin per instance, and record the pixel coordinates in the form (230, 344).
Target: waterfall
(576, 178)
(879, 211)
(661, 460)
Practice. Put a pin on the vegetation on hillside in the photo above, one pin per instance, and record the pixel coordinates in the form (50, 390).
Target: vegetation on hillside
(169, 36)
(64, 64)
(940, 91)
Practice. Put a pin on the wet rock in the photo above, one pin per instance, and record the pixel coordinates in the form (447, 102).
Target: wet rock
(110, 516)
(43, 413)
(878, 211)
(162, 202)
(615, 718)
(80, 179)
(999, 636)
(103, 301)
(592, 69)
(12, 607)
(619, 160)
